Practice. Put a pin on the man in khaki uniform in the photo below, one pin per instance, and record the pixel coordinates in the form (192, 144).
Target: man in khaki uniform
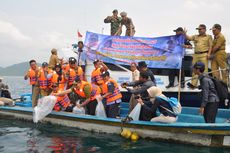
(54, 59)
(219, 54)
(130, 29)
(202, 50)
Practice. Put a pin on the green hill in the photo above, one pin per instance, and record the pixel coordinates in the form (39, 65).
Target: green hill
(15, 70)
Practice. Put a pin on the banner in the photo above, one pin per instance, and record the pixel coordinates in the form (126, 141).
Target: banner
(159, 52)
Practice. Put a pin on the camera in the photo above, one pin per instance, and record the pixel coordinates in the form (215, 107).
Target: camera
(137, 97)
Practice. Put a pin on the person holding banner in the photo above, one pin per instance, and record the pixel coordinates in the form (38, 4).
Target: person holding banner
(175, 72)
(115, 22)
(128, 23)
(202, 49)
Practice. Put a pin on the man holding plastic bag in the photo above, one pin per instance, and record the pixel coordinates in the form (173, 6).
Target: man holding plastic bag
(86, 91)
(169, 108)
(63, 101)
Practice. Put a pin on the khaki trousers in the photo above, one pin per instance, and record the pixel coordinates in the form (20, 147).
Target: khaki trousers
(199, 58)
(35, 95)
(219, 61)
(45, 92)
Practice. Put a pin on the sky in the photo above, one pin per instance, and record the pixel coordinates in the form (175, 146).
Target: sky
(29, 29)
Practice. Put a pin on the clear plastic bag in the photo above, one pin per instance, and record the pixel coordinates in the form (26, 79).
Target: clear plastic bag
(77, 110)
(100, 109)
(44, 107)
(135, 113)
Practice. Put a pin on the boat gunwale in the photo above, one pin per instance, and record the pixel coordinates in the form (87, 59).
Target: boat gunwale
(179, 127)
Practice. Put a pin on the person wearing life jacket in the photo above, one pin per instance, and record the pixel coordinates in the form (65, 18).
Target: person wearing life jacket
(44, 80)
(157, 102)
(58, 77)
(65, 66)
(112, 95)
(32, 74)
(63, 102)
(96, 74)
(73, 71)
(85, 91)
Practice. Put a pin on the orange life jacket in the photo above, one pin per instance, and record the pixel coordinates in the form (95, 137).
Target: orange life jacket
(116, 95)
(61, 84)
(73, 74)
(62, 102)
(95, 90)
(96, 77)
(32, 76)
(44, 82)
(65, 68)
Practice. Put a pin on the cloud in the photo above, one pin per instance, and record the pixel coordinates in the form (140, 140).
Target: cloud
(9, 29)
(205, 4)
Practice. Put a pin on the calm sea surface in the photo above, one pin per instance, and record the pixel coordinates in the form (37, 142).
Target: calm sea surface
(19, 137)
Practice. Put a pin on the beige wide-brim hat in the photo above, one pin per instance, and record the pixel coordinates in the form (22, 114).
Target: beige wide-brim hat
(155, 91)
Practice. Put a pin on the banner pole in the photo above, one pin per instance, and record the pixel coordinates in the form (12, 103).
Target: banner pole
(179, 86)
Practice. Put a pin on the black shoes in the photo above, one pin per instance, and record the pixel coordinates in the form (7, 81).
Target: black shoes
(182, 86)
(169, 86)
(190, 85)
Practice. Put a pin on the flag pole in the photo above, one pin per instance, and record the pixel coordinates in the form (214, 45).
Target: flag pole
(179, 86)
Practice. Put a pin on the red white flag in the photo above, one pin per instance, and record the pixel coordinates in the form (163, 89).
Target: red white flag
(79, 35)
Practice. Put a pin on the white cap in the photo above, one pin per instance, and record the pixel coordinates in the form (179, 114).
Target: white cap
(155, 91)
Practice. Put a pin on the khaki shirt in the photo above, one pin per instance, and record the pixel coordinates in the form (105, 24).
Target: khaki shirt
(53, 61)
(201, 43)
(219, 41)
(128, 23)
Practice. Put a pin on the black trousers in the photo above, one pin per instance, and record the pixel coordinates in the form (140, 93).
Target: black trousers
(112, 111)
(210, 112)
(91, 107)
(175, 72)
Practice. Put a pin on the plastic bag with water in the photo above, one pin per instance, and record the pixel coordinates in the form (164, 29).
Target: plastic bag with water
(44, 107)
(135, 113)
(77, 110)
(100, 109)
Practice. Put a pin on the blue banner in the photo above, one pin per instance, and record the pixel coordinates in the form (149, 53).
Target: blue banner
(159, 52)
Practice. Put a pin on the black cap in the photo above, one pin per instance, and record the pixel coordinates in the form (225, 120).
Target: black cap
(178, 29)
(96, 61)
(142, 64)
(201, 26)
(77, 79)
(72, 60)
(199, 65)
(58, 65)
(216, 26)
(105, 73)
(44, 64)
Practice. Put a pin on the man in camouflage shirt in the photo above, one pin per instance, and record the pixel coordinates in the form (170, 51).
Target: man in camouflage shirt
(115, 23)
(130, 29)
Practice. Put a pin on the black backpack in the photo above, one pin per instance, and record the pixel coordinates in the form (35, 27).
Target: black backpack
(221, 88)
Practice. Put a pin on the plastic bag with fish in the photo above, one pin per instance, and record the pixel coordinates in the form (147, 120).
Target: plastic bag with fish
(44, 107)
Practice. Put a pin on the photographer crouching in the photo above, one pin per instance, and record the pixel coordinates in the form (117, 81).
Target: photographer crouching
(159, 101)
(139, 88)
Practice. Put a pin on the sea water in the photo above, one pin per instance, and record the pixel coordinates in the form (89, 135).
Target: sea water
(19, 137)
